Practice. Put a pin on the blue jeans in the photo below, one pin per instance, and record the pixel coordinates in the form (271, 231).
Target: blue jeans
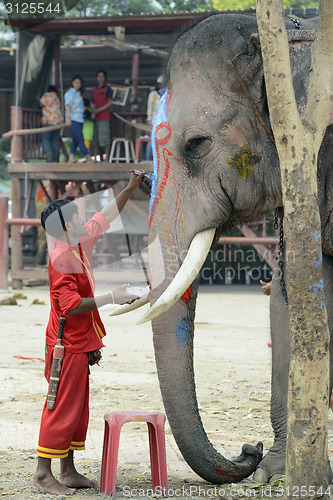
(77, 139)
(50, 142)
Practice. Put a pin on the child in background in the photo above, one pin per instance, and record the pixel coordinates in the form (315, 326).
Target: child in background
(74, 118)
(88, 124)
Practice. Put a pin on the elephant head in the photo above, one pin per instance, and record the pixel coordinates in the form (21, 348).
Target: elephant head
(215, 166)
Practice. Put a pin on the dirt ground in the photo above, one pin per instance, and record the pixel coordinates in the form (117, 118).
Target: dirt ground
(232, 362)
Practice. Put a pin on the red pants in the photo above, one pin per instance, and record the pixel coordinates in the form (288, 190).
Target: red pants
(65, 427)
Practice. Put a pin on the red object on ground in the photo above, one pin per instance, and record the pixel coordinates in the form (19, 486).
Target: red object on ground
(269, 343)
(29, 359)
(113, 424)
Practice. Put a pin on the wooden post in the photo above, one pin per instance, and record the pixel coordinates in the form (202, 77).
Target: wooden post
(3, 243)
(56, 62)
(17, 260)
(16, 147)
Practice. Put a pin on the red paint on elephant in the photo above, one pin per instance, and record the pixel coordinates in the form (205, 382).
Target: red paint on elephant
(163, 133)
(163, 169)
(187, 295)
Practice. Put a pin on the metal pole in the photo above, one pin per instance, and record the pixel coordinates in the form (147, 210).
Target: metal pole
(135, 75)
(56, 62)
(3, 243)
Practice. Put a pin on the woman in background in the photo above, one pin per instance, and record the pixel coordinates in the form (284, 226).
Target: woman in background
(74, 110)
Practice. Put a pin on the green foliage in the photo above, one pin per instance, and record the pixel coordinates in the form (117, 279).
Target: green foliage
(4, 151)
(186, 5)
(248, 4)
(113, 7)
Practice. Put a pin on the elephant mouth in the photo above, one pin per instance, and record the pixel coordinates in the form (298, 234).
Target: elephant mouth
(191, 266)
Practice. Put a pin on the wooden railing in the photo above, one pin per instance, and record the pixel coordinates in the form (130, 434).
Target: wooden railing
(29, 147)
(25, 147)
(32, 145)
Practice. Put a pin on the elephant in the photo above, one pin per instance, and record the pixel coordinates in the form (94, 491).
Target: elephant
(216, 166)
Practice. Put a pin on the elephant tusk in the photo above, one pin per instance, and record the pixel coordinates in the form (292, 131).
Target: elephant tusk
(118, 309)
(191, 266)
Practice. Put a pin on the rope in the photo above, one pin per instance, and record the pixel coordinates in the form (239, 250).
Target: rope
(139, 126)
(253, 104)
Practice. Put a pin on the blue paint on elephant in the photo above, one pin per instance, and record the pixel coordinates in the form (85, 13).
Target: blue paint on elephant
(319, 260)
(182, 330)
(316, 237)
(160, 117)
(318, 289)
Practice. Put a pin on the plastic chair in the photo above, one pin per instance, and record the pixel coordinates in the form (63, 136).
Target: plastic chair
(117, 143)
(138, 143)
(113, 424)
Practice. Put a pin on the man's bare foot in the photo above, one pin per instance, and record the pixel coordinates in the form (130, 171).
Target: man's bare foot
(75, 480)
(48, 484)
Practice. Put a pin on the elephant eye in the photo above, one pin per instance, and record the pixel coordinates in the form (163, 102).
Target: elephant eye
(197, 145)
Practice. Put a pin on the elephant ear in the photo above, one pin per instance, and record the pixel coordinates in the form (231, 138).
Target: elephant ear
(250, 67)
(300, 42)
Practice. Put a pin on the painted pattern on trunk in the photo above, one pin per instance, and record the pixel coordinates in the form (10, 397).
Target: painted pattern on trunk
(161, 121)
(182, 330)
(161, 134)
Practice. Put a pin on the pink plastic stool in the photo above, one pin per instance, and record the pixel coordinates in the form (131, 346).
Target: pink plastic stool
(113, 425)
(137, 146)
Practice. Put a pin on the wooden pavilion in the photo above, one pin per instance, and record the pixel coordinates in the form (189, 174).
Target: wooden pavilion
(134, 49)
(136, 46)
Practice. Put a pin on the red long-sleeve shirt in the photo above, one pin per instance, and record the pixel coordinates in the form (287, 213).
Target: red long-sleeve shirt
(71, 279)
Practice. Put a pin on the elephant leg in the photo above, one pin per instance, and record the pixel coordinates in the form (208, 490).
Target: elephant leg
(328, 291)
(273, 464)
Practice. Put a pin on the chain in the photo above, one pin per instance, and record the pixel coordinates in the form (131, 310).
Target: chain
(278, 224)
(296, 23)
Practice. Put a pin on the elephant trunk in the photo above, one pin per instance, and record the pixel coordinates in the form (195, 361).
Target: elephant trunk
(173, 342)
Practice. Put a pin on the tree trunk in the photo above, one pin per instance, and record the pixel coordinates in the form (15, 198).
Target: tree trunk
(298, 141)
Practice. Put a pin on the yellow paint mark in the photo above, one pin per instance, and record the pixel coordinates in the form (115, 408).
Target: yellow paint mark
(244, 161)
(164, 225)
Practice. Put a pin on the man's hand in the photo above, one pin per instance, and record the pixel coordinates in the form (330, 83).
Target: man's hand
(115, 207)
(68, 122)
(121, 297)
(135, 180)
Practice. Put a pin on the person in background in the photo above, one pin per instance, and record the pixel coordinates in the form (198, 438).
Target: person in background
(51, 115)
(152, 105)
(88, 124)
(74, 109)
(101, 102)
(266, 287)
